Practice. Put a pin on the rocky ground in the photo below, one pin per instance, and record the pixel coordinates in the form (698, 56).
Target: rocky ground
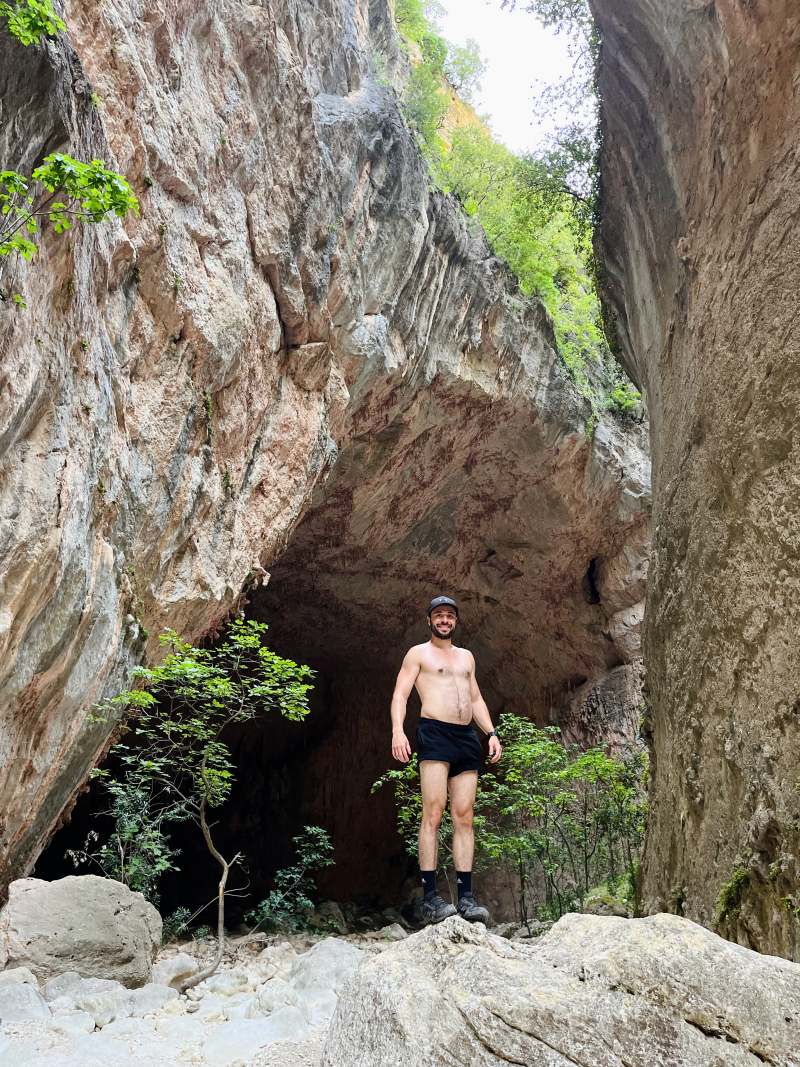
(270, 1004)
(600, 991)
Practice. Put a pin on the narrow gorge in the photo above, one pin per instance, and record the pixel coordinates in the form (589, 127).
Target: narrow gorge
(298, 386)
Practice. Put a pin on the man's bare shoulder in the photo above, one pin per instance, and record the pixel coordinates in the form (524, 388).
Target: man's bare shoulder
(416, 652)
(470, 659)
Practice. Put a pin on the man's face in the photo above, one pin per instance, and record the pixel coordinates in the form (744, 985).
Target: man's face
(443, 622)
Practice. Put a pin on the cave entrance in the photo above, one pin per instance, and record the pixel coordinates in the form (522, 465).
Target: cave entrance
(512, 541)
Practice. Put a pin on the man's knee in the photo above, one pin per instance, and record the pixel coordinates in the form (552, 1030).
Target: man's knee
(462, 815)
(432, 816)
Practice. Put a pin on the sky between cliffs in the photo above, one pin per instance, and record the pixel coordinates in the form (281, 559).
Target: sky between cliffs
(520, 57)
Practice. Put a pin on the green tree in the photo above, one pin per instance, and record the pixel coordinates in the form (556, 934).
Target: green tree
(174, 762)
(61, 191)
(464, 68)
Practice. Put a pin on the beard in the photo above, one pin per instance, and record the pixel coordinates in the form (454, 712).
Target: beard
(438, 633)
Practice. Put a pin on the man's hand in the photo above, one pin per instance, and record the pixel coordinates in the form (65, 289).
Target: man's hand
(495, 749)
(401, 749)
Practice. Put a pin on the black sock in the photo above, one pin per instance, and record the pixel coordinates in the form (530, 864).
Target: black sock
(464, 882)
(428, 882)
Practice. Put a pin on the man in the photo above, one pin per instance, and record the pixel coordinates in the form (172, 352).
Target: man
(449, 752)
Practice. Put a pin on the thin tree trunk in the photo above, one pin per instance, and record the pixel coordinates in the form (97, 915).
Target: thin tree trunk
(201, 976)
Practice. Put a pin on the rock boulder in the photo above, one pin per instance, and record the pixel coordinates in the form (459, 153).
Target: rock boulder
(599, 991)
(94, 926)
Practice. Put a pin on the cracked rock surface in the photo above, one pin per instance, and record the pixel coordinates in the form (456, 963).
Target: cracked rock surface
(593, 992)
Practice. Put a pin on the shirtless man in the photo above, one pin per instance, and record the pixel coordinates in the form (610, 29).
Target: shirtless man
(449, 752)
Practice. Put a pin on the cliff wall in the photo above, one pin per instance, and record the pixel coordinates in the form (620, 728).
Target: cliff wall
(294, 327)
(700, 197)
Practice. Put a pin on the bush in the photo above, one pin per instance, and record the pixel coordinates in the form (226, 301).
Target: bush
(290, 901)
(556, 820)
(624, 399)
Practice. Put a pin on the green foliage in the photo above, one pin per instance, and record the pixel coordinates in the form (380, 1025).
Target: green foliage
(536, 211)
(290, 901)
(174, 764)
(61, 191)
(464, 67)
(31, 21)
(624, 398)
(535, 225)
(175, 924)
(556, 820)
(426, 101)
(729, 898)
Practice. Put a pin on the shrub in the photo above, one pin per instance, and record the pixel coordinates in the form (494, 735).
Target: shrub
(557, 821)
(624, 398)
(290, 901)
(729, 899)
(31, 21)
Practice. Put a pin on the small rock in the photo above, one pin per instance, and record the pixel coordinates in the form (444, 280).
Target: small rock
(326, 966)
(393, 932)
(211, 1009)
(281, 957)
(227, 983)
(505, 929)
(151, 998)
(271, 997)
(104, 1005)
(73, 1022)
(62, 986)
(172, 970)
(20, 1002)
(241, 1039)
(238, 1006)
(317, 1005)
(15, 975)
(328, 916)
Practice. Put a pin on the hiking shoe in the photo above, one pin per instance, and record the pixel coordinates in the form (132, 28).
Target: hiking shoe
(470, 910)
(435, 909)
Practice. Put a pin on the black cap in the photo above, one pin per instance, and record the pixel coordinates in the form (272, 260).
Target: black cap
(442, 602)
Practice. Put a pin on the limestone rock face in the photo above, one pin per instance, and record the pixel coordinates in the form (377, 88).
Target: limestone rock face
(602, 991)
(701, 192)
(93, 926)
(292, 301)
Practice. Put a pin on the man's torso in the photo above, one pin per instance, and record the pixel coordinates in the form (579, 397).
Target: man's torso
(443, 684)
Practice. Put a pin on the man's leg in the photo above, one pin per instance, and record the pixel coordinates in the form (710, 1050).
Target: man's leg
(462, 803)
(433, 781)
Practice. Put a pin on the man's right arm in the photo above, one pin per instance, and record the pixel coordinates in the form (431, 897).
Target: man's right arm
(401, 749)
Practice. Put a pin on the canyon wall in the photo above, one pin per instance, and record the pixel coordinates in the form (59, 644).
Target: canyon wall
(295, 326)
(700, 201)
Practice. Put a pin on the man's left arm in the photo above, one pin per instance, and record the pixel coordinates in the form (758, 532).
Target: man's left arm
(480, 713)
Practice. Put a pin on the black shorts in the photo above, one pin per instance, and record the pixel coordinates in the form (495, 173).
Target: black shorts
(451, 743)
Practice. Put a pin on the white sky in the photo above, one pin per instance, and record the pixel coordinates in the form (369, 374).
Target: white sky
(520, 55)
